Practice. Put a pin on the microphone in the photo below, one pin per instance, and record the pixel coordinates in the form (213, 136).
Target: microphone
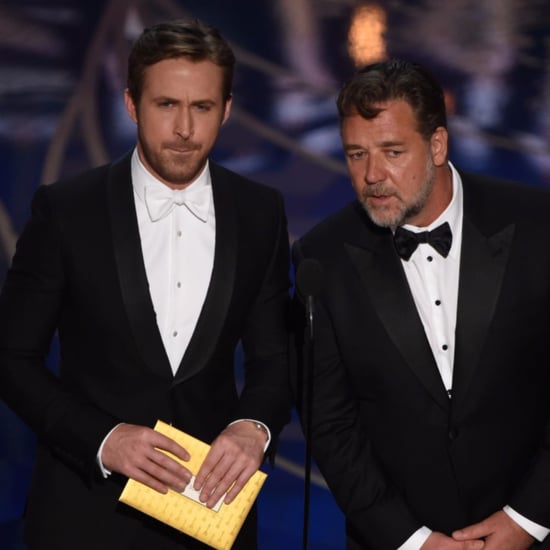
(309, 283)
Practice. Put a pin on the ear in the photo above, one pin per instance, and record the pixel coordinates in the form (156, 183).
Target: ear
(130, 106)
(439, 146)
(227, 109)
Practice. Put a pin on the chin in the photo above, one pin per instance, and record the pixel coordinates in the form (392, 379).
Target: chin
(382, 220)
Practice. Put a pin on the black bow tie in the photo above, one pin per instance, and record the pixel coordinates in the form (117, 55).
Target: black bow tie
(439, 238)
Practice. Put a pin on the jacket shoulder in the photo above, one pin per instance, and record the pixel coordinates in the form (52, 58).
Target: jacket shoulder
(336, 227)
(495, 198)
(243, 185)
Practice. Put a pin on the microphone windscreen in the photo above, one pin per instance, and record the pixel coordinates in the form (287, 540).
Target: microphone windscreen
(309, 278)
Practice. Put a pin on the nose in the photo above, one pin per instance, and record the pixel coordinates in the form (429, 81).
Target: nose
(184, 124)
(374, 172)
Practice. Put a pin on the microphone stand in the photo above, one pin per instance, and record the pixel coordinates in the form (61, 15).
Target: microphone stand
(308, 400)
(309, 282)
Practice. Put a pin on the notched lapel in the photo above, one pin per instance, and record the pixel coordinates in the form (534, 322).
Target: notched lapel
(131, 269)
(220, 290)
(482, 267)
(388, 290)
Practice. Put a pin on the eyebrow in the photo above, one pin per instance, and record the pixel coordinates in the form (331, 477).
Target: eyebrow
(383, 144)
(391, 143)
(161, 98)
(352, 146)
(203, 101)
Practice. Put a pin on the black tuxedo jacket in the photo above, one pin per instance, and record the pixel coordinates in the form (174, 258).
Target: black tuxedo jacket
(78, 269)
(396, 452)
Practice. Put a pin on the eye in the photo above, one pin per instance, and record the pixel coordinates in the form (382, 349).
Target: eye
(356, 155)
(203, 107)
(166, 103)
(394, 153)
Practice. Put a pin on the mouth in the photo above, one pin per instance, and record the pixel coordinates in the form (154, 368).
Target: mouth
(181, 150)
(185, 149)
(378, 192)
(378, 198)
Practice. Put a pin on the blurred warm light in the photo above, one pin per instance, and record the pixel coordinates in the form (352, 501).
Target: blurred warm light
(366, 43)
(450, 102)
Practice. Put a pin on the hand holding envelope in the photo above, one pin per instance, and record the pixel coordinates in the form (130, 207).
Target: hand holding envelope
(143, 454)
(187, 514)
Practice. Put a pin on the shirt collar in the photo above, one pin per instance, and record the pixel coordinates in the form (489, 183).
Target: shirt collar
(452, 214)
(142, 177)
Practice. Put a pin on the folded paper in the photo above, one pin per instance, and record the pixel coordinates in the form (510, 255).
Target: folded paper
(217, 528)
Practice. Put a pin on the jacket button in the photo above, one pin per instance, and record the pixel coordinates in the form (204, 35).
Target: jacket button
(452, 434)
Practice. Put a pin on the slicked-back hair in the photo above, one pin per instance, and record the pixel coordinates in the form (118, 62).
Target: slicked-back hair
(189, 38)
(390, 80)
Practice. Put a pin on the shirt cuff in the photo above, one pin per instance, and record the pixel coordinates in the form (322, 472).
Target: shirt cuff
(259, 425)
(416, 540)
(534, 529)
(104, 472)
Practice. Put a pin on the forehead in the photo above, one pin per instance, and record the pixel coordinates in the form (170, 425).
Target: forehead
(183, 77)
(396, 119)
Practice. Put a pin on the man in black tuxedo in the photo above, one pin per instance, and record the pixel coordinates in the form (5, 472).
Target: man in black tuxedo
(151, 269)
(431, 384)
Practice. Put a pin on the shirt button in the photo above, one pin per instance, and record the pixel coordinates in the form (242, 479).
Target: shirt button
(175, 333)
(444, 347)
(178, 233)
(178, 284)
(429, 258)
(438, 302)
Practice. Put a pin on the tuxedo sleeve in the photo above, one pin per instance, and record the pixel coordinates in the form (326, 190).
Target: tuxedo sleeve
(266, 393)
(531, 499)
(376, 514)
(31, 305)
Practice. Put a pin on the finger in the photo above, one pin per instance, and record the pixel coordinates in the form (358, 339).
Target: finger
(473, 545)
(165, 443)
(168, 470)
(240, 482)
(147, 470)
(239, 471)
(158, 478)
(150, 480)
(210, 463)
(219, 480)
(474, 531)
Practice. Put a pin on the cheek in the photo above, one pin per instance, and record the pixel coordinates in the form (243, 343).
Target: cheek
(413, 180)
(158, 131)
(207, 132)
(358, 185)
(356, 173)
(405, 177)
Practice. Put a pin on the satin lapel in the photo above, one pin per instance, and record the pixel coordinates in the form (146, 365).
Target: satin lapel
(214, 311)
(483, 262)
(131, 269)
(388, 290)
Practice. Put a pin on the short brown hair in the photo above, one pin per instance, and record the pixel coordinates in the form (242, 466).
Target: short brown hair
(390, 80)
(179, 38)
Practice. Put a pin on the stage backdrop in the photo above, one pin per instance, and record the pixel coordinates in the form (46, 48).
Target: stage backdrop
(62, 76)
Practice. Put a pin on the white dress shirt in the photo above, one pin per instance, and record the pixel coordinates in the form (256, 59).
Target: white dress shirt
(433, 281)
(178, 251)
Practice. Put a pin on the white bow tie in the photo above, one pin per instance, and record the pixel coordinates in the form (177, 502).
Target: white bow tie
(160, 201)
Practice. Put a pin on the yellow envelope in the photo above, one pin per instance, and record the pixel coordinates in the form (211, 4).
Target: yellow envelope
(219, 528)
